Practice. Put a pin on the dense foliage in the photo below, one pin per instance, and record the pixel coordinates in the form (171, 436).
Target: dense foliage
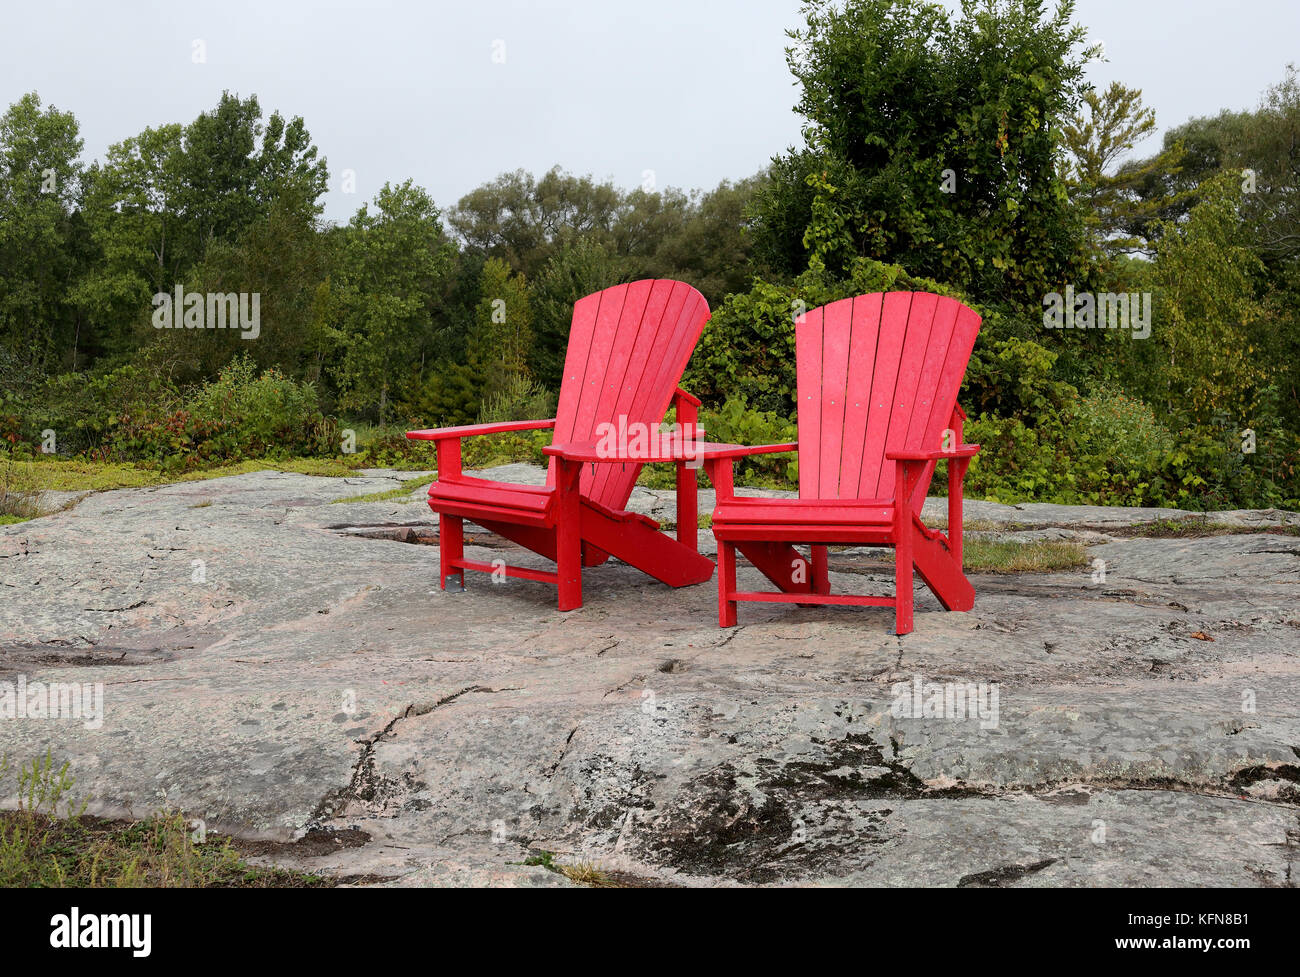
(962, 153)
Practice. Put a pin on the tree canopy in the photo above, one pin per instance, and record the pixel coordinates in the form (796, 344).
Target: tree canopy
(962, 152)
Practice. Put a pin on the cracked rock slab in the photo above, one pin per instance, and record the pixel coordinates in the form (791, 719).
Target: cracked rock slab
(284, 667)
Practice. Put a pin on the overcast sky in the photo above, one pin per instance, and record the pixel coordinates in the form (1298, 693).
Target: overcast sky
(451, 94)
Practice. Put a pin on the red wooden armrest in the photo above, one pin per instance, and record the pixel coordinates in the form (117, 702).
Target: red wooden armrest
(712, 451)
(470, 430)
(578, 451)
(678, 451)
(669, 449)
(961, 451)
(447, 440)
(680, 394)
(720, 458)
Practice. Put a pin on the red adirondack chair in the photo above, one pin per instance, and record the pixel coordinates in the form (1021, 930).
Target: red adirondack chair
(877, 377)
(628, 346)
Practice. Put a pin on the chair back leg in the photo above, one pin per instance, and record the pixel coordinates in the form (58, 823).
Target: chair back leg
(568, 536)
(821, 582)
(903, 585)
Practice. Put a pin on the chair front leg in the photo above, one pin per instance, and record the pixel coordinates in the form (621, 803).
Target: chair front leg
(688, 512)
(688, 519)
(904, 485)
(451, 529)
(726, 584)
(568, 534)
(722, 477)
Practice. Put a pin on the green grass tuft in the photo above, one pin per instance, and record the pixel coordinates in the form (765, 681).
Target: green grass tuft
(49, 842)
(583, 873)
(1001, 556)
(406, 488)
(1194, 526)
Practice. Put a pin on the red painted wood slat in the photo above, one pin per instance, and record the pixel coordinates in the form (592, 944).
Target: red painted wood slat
(854, 513)
(927, 387)
(593, 377)
(857, 395)
(657, 392)
(911, 361)
(837, 323)
(475, 490)
(612, 480)
(964, 332)
(893, 330)
(581, 333)
(921, 433)
(808, 376)
(772, 597)
(622, 349)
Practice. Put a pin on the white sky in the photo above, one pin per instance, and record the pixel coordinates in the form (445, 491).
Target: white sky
(695, 90)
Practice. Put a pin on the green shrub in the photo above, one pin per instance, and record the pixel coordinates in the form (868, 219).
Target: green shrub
(447, 394)
(1014, 464)
(84, 409)
(1121, 429)
(1015, 378)
(1113, 452)
(735, 423)
(242, 414)
(272, 414)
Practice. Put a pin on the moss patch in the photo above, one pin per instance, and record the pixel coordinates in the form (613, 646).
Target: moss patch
(79, 475)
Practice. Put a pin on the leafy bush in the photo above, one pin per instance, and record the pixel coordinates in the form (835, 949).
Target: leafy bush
(137, 413)
(1116, 453)
(898, 94)
(242, 414)
(450, 393)
(271, 413)
(1014, 465)
(83, 409)
(735, 423)
(1123, 428)
(1015, 378)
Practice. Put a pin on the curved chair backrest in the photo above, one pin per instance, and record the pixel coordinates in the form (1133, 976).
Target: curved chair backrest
(876, 373)
(628, 347)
